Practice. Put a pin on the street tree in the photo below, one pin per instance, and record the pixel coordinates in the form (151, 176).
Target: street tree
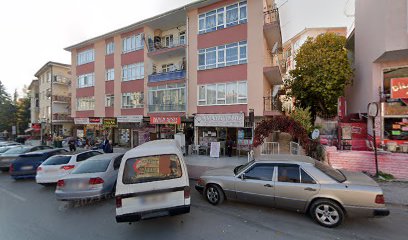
(321, 74)
(6, 110)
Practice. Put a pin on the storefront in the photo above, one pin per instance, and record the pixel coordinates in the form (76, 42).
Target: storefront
(221, 128)
(394, 110)
(165, 127)
(132, 131)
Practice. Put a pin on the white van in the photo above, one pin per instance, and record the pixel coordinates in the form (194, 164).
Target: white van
(152, 182)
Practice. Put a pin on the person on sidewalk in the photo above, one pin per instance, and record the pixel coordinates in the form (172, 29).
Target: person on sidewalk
(72, 144)
(108, 147)
(229, 147)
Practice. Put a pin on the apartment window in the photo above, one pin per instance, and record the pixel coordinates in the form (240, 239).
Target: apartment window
(110, 74)
(168, 40)
(48, 77)
(86, 57)
(109, 100)
(221, 56)
(132, 43)
(222, 93)
(182, 37)
(85, 103)
(222, 17)
(110, 48)
(167, 98)
(86, 80)
(133, 100)
(168, 68)
(133, 72)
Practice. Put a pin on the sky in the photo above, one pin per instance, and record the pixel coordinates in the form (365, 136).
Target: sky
(37, 32)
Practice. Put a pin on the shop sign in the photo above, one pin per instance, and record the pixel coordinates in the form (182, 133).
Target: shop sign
(219, 120)
(81, 121)
(36, 126)
(110, 122)
(165, 120)
(130, 119)
(399, 88)
(95, 120)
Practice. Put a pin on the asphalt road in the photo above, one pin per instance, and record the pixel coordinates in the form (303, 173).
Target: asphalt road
(30, 211)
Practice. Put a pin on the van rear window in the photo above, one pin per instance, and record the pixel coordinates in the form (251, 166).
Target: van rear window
(151, 168)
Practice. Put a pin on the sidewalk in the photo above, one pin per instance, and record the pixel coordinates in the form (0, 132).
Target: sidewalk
(198, 164)
(395, 193)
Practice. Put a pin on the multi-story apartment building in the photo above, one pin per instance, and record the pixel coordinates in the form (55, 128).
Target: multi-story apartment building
(33, 93)
(54, 108)
(379, 44)
(201, 69)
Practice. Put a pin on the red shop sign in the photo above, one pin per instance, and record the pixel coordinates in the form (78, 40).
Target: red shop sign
(165, 120)
(95, 120)
(399, 88)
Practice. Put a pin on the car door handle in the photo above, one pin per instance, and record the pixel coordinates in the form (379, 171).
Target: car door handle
(310, 189)
(268, 185)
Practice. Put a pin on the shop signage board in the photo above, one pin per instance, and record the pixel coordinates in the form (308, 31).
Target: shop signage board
(165, 120)
(219, 120)
(81, 121)
(399, 88)
(110, 122)
(95, 121)
(130, 119)
(215, 149)
(36, 126)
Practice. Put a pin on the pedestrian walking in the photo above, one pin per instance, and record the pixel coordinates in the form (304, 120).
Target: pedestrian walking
(108, 147)
(230, 143)
(72, 145)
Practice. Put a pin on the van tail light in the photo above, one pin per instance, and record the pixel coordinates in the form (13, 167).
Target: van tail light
(39, 169)
(118, 202)
(379, 199)
(67, 167)
(186, 192)
(60, 184)
(11, 169)
(94, 181)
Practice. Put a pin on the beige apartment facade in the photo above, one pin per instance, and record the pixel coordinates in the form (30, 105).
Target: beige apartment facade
(53, 99)
(209, 60)
(379, 44)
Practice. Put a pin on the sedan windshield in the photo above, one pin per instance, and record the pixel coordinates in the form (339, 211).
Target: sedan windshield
(57, 160)
(16, 150)
(241, 167)
(92, 166)
(331, 172)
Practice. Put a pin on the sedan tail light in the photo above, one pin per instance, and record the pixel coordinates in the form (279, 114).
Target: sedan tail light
(11, 169)
(67, 167)
(39, 169)
(186, 192)
(379, 199)
(60, 183)
(118, 202)
(94, 181)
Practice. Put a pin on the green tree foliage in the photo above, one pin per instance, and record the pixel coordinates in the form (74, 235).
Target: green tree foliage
(304, 117)
(6, 110)
(322, 72)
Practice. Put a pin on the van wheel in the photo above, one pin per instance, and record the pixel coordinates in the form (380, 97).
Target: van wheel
(327, 213)
(214, 194)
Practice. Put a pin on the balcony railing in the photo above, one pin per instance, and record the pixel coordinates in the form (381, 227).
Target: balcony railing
(272, 104)
(167, 108)
(166, 76)
(61, 117)
(271, 16)
(58, 98)
(61, 80)
(159, 43)
(276, 60)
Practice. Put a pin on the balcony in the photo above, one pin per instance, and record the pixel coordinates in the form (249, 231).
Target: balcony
(61, 117)
(274, 68)
(61, 80)
(61, 99)
(272, 106)
(167, 108)
(272, 29)
(167, 76)
(160, 48)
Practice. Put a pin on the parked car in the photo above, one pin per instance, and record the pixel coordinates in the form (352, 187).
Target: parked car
(6, 148)
(25, 165)
(94, 178)
(9, 143)
(297, 183)
(152, 182)
(58, 166)
(7, 157)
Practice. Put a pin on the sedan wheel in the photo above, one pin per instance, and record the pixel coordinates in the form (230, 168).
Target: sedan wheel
(327, 213)
(214, 194)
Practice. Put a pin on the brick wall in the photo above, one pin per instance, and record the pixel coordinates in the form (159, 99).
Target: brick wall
(393, 163)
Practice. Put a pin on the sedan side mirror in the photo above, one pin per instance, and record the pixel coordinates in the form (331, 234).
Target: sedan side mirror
(242, 176)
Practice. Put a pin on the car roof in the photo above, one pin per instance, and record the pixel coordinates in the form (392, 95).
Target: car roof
(105, 156)
(45, 151)
(156, 147)
(286, 158)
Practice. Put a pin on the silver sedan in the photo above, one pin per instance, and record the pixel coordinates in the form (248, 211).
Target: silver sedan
(297, 183)
(94, 178)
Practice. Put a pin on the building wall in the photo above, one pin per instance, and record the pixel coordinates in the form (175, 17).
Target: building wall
(192, 61)
(379, 27)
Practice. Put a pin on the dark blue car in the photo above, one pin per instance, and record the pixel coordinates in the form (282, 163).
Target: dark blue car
(25, 166)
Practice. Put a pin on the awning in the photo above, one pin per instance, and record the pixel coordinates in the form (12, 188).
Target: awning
(393, 56)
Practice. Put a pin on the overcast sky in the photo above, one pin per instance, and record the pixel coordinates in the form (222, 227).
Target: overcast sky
(35, 32)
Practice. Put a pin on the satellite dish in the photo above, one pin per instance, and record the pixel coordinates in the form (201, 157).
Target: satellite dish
(315, 134)
(275, 48)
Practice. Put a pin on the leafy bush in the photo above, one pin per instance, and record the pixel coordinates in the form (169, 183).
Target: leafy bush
(304, 117)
